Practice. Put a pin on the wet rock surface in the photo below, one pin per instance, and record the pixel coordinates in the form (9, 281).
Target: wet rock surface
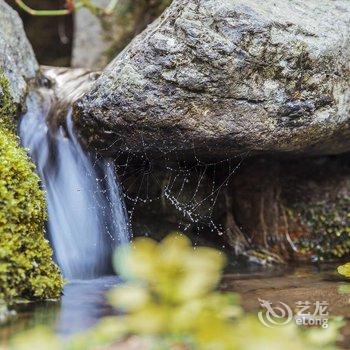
(17, 60)
(296, 208)
(217, 79)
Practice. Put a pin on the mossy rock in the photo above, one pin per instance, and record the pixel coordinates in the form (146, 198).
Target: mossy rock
(329, 227)
(26, 266)
(7, 108)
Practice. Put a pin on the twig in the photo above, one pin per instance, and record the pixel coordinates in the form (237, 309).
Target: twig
(71, 7)
(33, 12)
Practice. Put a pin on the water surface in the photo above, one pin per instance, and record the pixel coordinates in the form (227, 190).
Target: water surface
(84, 302)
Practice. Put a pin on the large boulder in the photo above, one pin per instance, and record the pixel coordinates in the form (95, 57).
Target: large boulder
(225, 77)
(17, 60)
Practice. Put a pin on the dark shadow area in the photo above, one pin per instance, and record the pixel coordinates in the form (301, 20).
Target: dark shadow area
(51, 37)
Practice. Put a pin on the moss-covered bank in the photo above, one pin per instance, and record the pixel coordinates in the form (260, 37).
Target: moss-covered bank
(326, 228)
(26, 266)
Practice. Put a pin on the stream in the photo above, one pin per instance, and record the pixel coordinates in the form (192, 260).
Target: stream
(88, 220)
(84, 303)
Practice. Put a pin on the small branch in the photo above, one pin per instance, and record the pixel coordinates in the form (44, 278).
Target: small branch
(33, 12)
(71, 7)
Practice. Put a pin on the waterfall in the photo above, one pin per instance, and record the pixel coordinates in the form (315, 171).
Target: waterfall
(86, 213)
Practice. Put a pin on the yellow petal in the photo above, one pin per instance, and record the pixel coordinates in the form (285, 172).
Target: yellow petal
(344, 270)
(138, 260)
(152, 320)
(129, 297)
(173, 247)
(39, 338)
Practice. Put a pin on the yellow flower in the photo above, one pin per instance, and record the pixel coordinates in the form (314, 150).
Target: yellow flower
(344, 270)
(170, 302)
(172, 268)
(109, 330)
(37, 339)
(170, 292)
(129, 297)
(136, 261)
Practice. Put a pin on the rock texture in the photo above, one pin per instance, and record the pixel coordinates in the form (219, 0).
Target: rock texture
(17, 60)
(225, 77)
(66, 85)
(210, 80)
(295, 209)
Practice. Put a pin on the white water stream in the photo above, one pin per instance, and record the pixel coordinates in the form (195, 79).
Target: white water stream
(86, 214)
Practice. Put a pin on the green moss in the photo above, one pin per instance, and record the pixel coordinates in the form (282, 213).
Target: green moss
(329, 227)
(7, 108)
(26, 266)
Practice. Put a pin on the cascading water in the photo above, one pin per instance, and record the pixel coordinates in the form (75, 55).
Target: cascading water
(86, 214)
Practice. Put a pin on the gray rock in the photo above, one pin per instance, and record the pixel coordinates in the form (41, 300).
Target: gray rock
(90, 42)
(98, 39)
(225, 77)
(66, 85)
(17, 60)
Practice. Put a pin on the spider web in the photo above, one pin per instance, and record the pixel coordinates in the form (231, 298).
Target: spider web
(188, 193)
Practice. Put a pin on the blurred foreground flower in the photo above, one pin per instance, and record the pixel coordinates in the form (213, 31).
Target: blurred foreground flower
(170, 302)
(40, 338)
(344, 269)
(171, 292)
(172, 268)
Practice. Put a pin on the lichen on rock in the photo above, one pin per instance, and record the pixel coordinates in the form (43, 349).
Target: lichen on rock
(7, 107)
(329, 227)
(26, 266)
